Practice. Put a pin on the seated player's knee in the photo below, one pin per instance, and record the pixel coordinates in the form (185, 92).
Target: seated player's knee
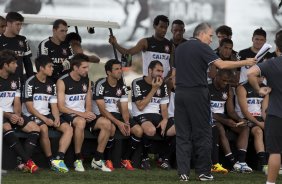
(79, 123)
(137, 131)
(150, 131)
(7, 127)
(113, 129)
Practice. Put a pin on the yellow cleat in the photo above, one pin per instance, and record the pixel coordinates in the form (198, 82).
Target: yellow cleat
(217, 168)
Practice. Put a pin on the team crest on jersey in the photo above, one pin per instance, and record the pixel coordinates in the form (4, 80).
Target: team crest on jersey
(224, 96)
(167, 49)
(84, 87)
(65, 52)
(14, 85)
(21, 44)
(49, 89)
(158, 93)
(118, 92)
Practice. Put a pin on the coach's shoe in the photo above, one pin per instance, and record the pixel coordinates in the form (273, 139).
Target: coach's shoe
(59, 166)
(127, 165)
(100, 165)
(183, 177)
(78, 166)
(30, 166)
(109, 164)
(242, 167)
(217, 168)
(145, 164)
(205, 177)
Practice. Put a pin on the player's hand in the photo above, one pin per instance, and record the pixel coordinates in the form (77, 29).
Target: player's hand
(49, 122)
(157, 82)
(20, 121)
(66, 64)
(231, 123)
(250, 61)
(14, 118)
(57, 122)
(122, 127)
(162, 125)
(112, 40)
(88, 115)
(264, 91)
(127, 128)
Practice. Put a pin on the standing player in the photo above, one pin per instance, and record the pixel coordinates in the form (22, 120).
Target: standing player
(41, 106)
(156, 47)
(57, 49)
(272, 70)
(258, 39)
(74, 101)
(11, 40)
(149, 107)
(111, 97)
(177, 30)
(10, 103)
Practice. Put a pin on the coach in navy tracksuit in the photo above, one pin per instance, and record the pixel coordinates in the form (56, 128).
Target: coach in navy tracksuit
(192, 110)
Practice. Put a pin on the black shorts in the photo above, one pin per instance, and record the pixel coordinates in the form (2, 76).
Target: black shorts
(273, 134)
(68, 117)
(15, 126)
(90, 125)
(252, 124)
(39, 122)
(155, 119)
(119, 117)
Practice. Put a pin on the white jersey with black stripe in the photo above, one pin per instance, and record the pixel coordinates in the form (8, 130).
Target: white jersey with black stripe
(41, 94)
(9, 89)
(111, 95)
(140, 89)
(75, 92)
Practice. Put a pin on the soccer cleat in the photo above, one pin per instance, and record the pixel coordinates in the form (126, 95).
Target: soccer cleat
(217, 168)
(59, 166)
(109, 164)
(100, 165)
(183, 177)
(164, 164)
(127, 165)
(145, 164)
(30, 166)
(242, 167)
(78, 166)
(205, 177)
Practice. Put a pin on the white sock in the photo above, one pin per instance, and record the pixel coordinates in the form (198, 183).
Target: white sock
(269, 182)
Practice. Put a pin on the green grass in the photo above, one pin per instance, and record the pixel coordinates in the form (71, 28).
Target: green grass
(120, 176)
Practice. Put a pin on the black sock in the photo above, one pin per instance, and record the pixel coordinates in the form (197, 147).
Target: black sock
(98, 156)
(261, 160)
(231, 158)
(50, 158)
(134, 141)
(108, 148)
(31, 142)
(60, 156)
(78, 156)
(146, 147)
(242, 155)
(11, 139)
